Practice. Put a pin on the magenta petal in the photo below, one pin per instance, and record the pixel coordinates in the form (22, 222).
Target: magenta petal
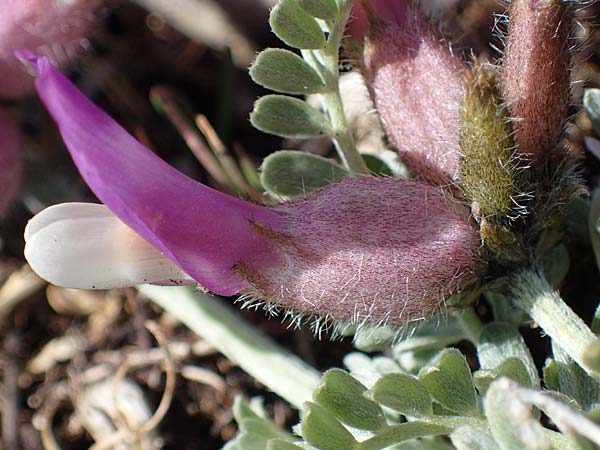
(203, 231)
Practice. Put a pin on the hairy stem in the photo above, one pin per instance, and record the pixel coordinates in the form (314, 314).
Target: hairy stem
(532, 293)
(276, 368)
(470, 324)
(326, 62)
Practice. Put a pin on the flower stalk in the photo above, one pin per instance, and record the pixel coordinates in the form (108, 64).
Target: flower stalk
(532, 293)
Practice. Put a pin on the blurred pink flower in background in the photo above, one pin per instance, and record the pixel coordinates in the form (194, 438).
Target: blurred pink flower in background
(48, 27)
(55, 28)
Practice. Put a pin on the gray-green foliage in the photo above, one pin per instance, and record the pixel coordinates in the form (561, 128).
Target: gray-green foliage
(322, 430)
(286, 72)
(450, 368)
(591, 103)
(255, 430)
(389, 408)
(294, 26)
(288, 117)
(316, 28)
(344, 396)
(572, 381)
(511, 421)
(323, 9)
(499, 343)
(294, 174)
(470, 437)
(511, 367)
(404, 394)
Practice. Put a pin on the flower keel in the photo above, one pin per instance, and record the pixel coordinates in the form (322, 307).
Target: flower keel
(106, 253)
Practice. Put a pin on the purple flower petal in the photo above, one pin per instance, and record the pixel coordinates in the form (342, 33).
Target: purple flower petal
(202, 230)
(366, 249)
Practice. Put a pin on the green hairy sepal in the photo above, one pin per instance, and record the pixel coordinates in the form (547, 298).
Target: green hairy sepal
(488, 168)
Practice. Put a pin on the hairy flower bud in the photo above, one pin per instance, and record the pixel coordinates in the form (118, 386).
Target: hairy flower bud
(535, 73)
(53, 28)
(488, 168)
(418, 87)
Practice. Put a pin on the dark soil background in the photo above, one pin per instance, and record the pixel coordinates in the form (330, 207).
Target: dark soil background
(130, 52)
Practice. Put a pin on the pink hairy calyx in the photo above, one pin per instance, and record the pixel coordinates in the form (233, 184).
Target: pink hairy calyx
(535, 78)
(375, 249)
(418, 86)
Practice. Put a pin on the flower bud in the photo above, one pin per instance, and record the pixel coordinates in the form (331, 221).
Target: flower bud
(535, 73)
(418, 86)
(488, 168)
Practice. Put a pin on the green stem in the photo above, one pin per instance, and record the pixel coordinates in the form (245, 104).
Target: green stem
(327, 64)
(456, 422)
(396, 434)
(533, 294)
(470, 323)
(276, 368)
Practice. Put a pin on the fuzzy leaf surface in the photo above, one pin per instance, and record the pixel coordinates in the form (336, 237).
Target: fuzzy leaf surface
(323, 9)
(450, 383)
(322, 430)
(285, 71)
(295, 174)
(469, 437)
(343, 395)
(288, 117)
(403, 393)
(499, 341)
(511, 420)
(398, 434)
(294, 26)
(281, 444)
(511, 367)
